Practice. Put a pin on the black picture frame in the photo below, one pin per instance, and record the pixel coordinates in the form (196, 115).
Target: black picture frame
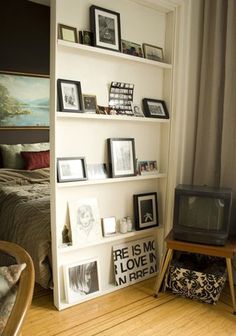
(89, 103)
(105, 26)
(155, 108)
(145, 210)
(71, 169)
(121, 156)
(63, 29)
(69, 96)
(153, 52)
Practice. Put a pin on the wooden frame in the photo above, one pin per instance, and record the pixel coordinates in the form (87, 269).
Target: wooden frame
(105, 25)
(71, 169)
(121, 153)
(155, 108)
(145, 210)
(67, 33)
(70, 95)
(152, 52)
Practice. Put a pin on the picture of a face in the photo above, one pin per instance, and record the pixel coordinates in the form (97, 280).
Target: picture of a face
(85, 218)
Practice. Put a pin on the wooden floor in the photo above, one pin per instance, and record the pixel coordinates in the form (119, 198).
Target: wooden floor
(132, 311)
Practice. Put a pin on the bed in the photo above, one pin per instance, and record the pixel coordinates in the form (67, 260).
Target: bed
(25, 216)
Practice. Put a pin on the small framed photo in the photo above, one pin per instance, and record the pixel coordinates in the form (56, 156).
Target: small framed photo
(153, 53)
(67, 33)
(145, 211)
(70, 96)
(86, 37)
(105, 26)
(121, 154)
(90, 103)
(147, 167)
(108, 226)
(81, 280)
(97, 171)
(131, 48)
(137, 110)
(154, 108)
(71, 169)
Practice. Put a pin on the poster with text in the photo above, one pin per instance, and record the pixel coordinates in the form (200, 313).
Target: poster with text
(134, 261)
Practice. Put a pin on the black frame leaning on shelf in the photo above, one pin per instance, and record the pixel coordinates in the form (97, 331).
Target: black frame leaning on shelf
(71, 169)
(105, 26)
(69, 96)
(62, 30)
(145, 210)
(155, 108)
(153, 53)
(121, 156)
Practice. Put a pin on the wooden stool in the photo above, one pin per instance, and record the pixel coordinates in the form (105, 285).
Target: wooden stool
(226, 252)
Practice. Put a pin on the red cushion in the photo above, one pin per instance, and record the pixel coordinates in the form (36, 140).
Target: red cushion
(36, 160)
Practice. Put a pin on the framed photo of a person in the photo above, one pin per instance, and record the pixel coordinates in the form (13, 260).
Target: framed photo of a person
(90, 103)
(71, 169)
(70, 96)
(131, 48)
(155, 108)
(121, 155)
(67, 33)
(145, 210)
(105, 26)
(152, 52)
(81, 280)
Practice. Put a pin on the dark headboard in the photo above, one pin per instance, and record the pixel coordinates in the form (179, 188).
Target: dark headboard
(20, 136)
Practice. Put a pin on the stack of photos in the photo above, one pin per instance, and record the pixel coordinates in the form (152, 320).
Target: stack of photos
(121, 97)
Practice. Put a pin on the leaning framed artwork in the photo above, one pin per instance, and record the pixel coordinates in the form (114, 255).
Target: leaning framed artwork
(67, 33)
(70, 95)
(81, 280)
(24, 101)
(121, 154)
(145, 210)
(71, 169)
(155, 108)
(105, 25)
(152, 52)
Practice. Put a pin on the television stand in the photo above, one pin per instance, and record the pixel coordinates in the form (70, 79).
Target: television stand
(226, 252)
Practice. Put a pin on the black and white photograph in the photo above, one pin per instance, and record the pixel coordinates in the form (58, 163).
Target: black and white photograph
(67, 33)
(86, 37)
(70, 96)
(137, 110)
(121, 154)
(90, 103)
(85, 221)
(155, 108)
(152, 52)
(105, 25)
(145, 210)
(70, 169)
(81, 280)
(131, 48)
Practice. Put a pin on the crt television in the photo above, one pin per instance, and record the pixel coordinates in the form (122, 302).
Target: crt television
(202, 214)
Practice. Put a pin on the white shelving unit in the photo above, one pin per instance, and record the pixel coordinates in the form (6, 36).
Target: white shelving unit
(84, 135)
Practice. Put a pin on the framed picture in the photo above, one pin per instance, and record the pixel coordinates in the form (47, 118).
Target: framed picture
(105, 25)
(154, 108)
(84, 221)
(81, 280)
(153, 53)
(90, 103)
(131, 48)
(24, 101)
(70, 96)
(147, 167)
(86, 37)
(97, 171)
(121, 154)
(67, 33)
(137, 110)
(108, 226)
(145, 210)
(71, 169)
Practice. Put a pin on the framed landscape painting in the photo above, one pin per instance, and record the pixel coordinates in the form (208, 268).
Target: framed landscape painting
(24, 101)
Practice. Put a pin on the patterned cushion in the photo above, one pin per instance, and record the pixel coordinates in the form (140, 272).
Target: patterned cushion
(8, 289)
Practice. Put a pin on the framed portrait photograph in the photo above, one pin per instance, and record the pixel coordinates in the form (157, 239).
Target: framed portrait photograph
(24, 101)
(85, 221)
(131, 48)
(70, 96)
(147, 167)
(105, 26)
(121, 155)
(154, 108)
(97, 171)
(81, 280)
(90, 103)
(108, 226)
(71, 169)
(145, 210)
(137, 110)
(67, 33)
(153, 53)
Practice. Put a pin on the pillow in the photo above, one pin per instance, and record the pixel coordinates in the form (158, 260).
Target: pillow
(36, 160)
(8, 279)
(11, 153)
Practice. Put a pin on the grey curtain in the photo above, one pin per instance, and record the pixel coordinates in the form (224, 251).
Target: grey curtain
(214, 151)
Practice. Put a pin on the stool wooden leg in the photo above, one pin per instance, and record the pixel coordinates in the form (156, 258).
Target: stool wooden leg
(163, 271)
(231, 282)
